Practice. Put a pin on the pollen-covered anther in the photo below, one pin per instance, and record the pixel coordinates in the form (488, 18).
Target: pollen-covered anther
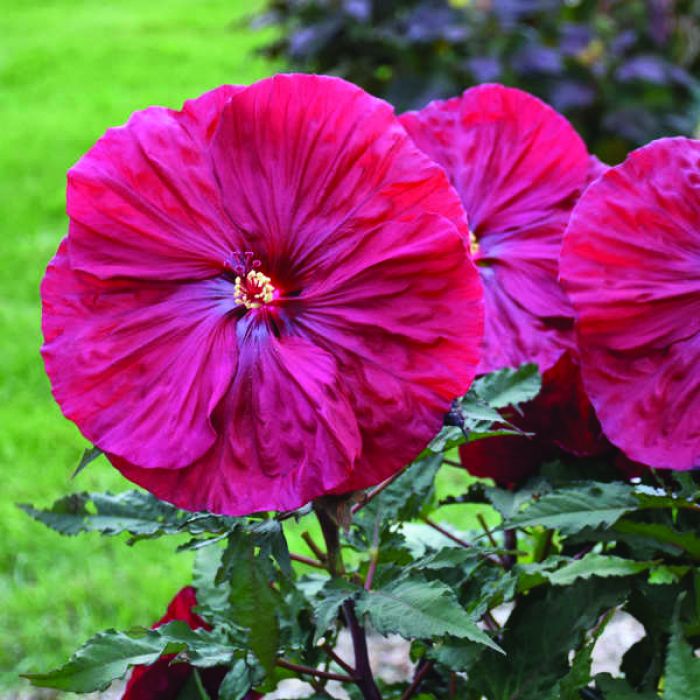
(253, 290)
(473, 243)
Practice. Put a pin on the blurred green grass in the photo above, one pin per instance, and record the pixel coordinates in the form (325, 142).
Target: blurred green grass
(69, 69)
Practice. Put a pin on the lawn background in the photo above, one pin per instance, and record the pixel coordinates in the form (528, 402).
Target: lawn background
(69, 69)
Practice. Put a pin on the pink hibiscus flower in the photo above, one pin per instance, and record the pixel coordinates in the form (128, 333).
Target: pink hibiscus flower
(263, 298)
(164, 680)
(631, 266)
(519, 168)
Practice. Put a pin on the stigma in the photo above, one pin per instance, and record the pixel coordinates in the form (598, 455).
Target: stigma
(253, 290)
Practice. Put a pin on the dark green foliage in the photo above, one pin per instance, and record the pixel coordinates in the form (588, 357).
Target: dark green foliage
(624, 72)
(574, 545)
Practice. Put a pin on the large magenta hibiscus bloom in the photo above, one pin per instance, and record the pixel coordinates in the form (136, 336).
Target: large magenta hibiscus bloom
(164, 679)
(519, 168)
(262, 298)
(631, 265)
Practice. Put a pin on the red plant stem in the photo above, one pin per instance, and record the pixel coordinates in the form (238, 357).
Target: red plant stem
(375, 492)
(453, 463)
(421, 671)
(331, 537)
(305, 560)
(308, 670)
(343, 664)
(364, 677)
(510, 542)
(453, 685)
(490, 622)
(318, 552)
(445, 532)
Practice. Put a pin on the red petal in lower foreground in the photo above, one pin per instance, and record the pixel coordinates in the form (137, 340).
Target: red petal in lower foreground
(630, 264)
(518, 167)
(164, 680)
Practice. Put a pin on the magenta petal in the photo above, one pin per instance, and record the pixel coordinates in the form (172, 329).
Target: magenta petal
(308, 164)
(287, 434)
(144, 201)
(518, 167)
(396, 293)
(138, 367)
(630, 264)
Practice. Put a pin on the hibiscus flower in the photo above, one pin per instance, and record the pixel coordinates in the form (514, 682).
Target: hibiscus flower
(263, 298)
(164, 680)
(518, 167)
(631, 266)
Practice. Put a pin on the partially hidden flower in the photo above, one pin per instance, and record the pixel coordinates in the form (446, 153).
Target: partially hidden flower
(631, 266)
(263, 298)
(560, 418)
(166, 678)
(519, 168)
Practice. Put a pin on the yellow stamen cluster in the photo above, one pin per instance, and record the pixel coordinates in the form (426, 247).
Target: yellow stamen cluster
(253, 290)
(473, 243)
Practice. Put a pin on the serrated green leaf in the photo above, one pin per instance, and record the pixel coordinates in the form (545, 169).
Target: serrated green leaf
(542, 629)
(420, 609)
(571, 510)
(579, 676)
(325, 605)
(685, 541)
(136, 512)
(89, 456)
(682, 671)
(269, 536)
(236, 683)
(508, 386)
(211, 596)
(101, 660)
(253, 603)
(620, 689)
(456, 654)
(662, 575)
(594, 564)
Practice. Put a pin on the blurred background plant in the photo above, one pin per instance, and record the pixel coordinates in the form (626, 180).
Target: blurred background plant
(623, 71)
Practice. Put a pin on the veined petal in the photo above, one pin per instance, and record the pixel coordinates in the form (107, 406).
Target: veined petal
(287, 434)
(140, 367)
(518, 167)
(144, 202)
(308, 164)
(631, 265)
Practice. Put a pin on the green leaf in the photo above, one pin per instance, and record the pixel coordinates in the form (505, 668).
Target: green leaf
(620, 689)
(543, 628)
(89, 456)
(571, 510)
(253, 603)
(594, 564)
(325, 605)
(685, 541)
(236, 683)
(211, 596)
(682, 672)
(662, 575)
(456, 654)
(420, 609)
(406, 497)
(269, 536)
(136, 512)
(101, 660)
(508, 386)
(580, 674)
